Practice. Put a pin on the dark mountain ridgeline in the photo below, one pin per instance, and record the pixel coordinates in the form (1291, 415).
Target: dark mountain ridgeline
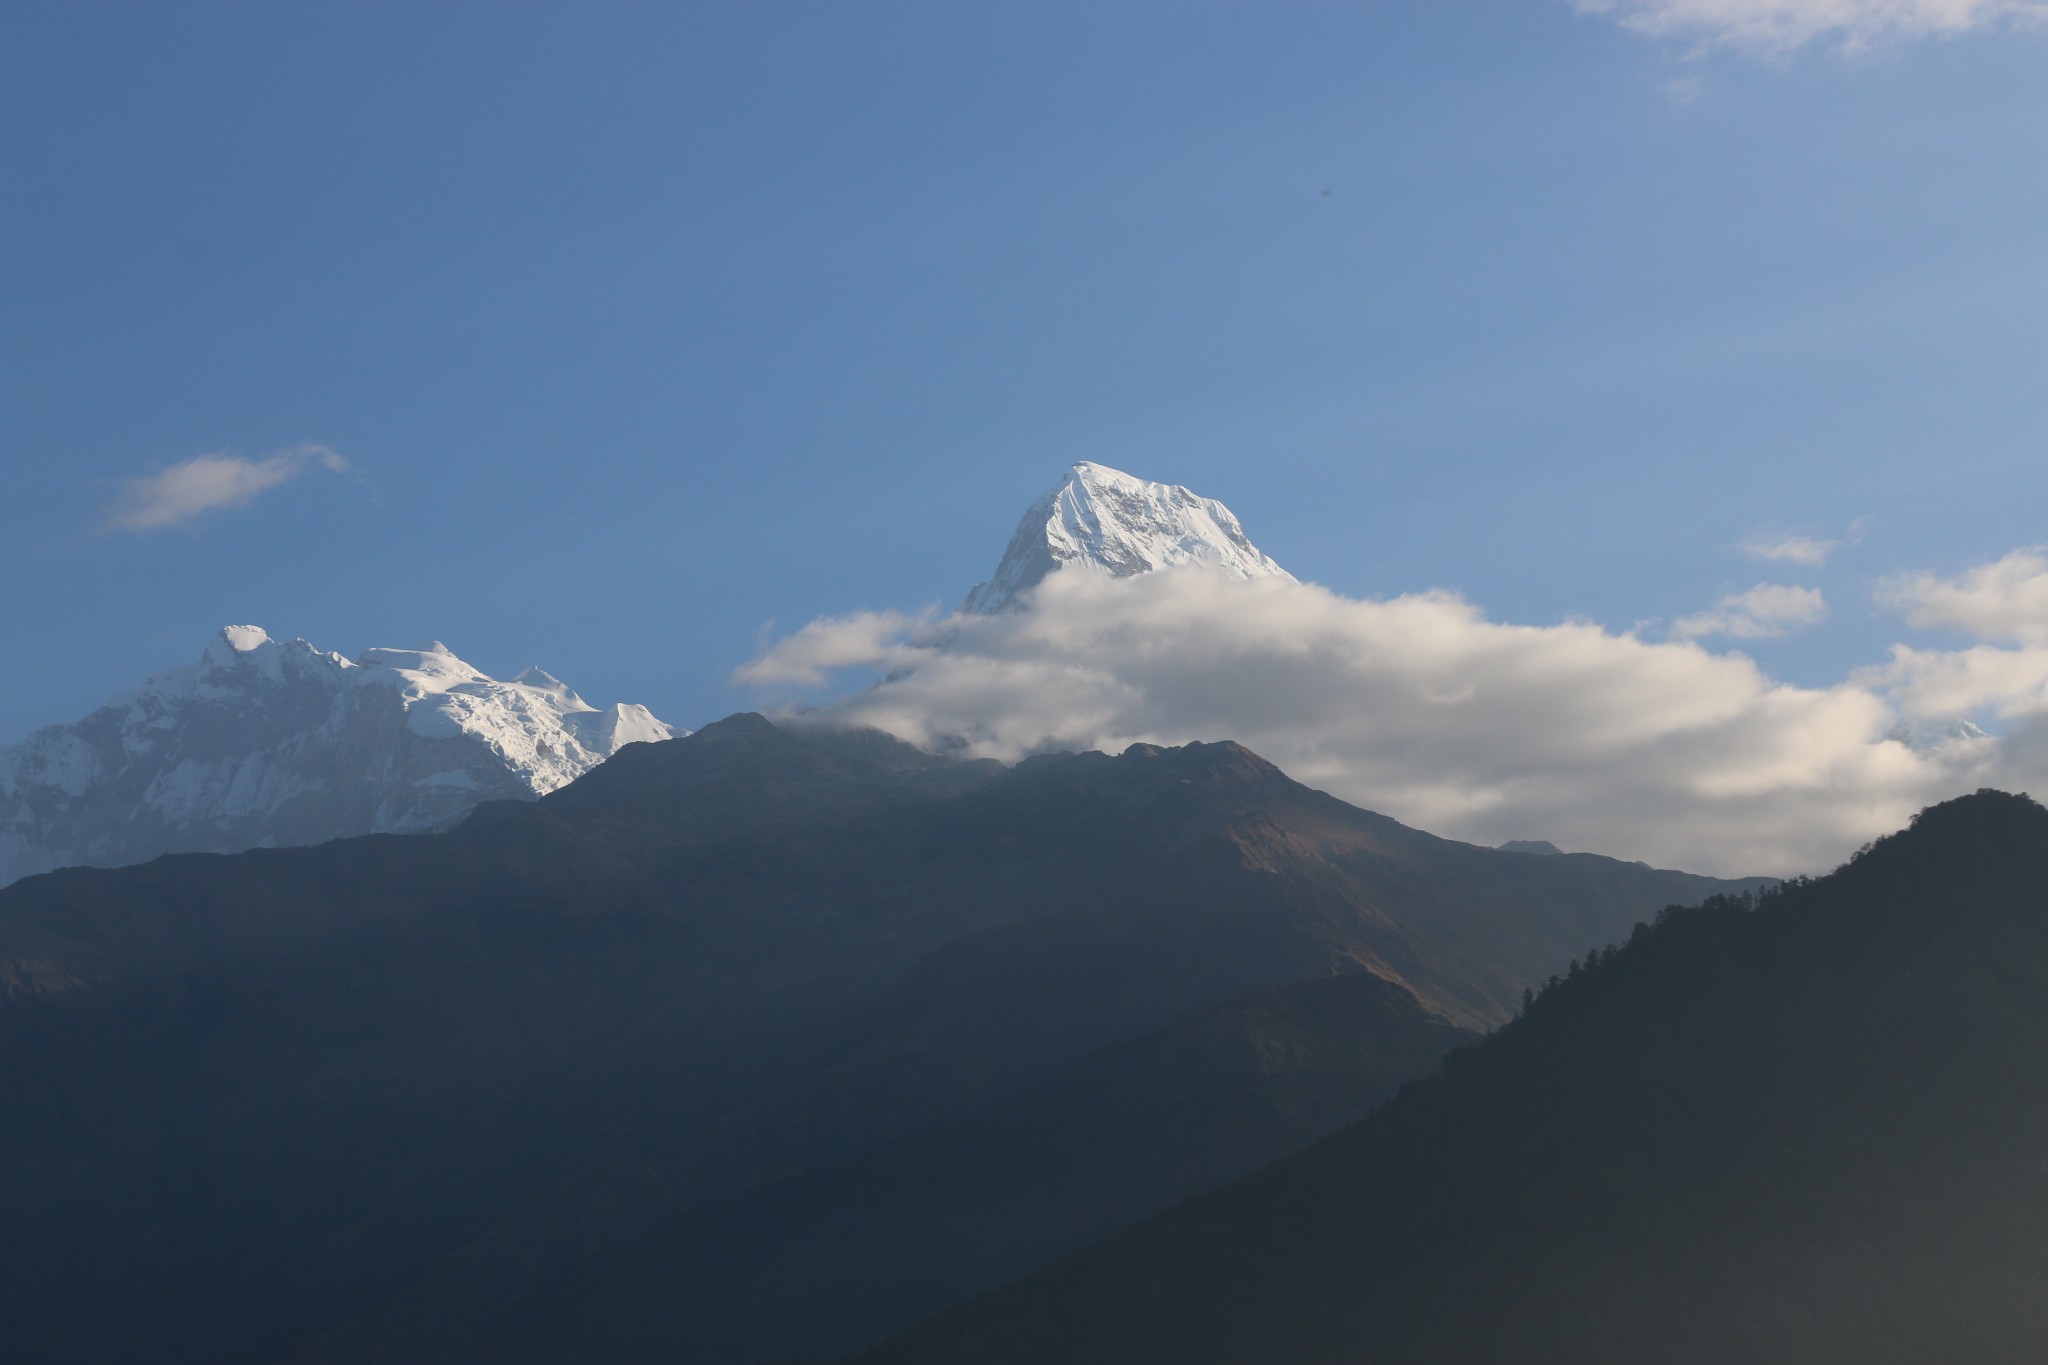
(360, 1098)
(1814, 1131)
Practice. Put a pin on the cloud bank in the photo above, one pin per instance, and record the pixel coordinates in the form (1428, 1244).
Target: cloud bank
(1781, 27)
(204, 484)
(1424, 709)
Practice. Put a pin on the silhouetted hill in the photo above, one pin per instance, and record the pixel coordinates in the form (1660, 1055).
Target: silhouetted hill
(837, 1255)
(1814, 1131)
(359, 1098)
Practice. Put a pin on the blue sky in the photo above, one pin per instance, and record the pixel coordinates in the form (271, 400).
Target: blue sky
(636, 328)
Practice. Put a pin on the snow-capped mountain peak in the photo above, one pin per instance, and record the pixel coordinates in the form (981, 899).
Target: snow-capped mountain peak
(1106, 521)
(265, 742)
(1928, 733)
(236, 643)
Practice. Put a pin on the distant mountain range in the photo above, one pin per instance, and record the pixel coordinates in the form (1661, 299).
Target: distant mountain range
(785, 1041)
(808, 1027)
(264, 742)
(268, 743)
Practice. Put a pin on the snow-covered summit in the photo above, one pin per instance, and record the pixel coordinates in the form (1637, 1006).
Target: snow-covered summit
(1106, 521)
(1928, 733)
(264, 742)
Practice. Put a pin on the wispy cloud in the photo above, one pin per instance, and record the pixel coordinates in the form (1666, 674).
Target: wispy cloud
(2003, 600)
(1765, 611)
(1782, 27)
(810, 656)
(1783, 549)
(191, 489)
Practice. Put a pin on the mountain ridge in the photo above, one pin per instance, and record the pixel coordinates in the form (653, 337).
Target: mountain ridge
(1801, 1129)
(264, 742)
(712, 964)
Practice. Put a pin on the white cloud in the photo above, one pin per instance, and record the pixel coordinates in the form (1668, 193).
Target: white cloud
(1780, 27)
(1766, 610)
(813, 654)
(1419, 707)
(2003, 600)
(2008, 683)
(1784, 549)
(210, 483)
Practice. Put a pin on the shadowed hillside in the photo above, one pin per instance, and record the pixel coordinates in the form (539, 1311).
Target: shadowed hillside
(833, 1256)
(1812, 1131)
(362, 1098)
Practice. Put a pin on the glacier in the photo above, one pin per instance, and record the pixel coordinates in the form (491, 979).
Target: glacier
(265, 742)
